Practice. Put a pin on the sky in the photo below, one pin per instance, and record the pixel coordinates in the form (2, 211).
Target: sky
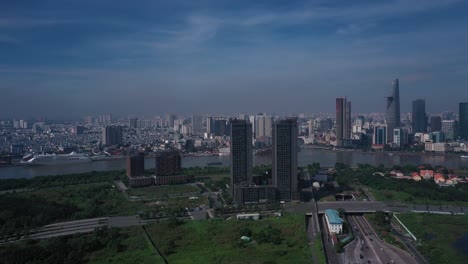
(72, 58)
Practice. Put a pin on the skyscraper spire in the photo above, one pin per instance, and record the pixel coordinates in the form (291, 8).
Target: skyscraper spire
(393, 108)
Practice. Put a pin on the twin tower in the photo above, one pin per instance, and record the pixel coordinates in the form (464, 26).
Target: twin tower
(284, 183)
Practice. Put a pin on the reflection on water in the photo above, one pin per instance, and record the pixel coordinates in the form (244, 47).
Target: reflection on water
(306, 156)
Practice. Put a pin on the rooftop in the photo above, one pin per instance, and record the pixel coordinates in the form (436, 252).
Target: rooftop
(333, 217)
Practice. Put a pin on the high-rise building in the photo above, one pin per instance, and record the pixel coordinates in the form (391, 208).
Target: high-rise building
(449, 127)
(210, 126)
(78, 130)
(241, 153)
(311, 128)
(380, 135)
(419, 116)
(136, 165)
(220, 127)
(168, 163)
(263, 124)
(463, 120)
(400, 137)
(393, 107)
(284, 167)
(133, 122)
(170, 120)
(112, 135)
(343, 120)
(436, 123)
(197, 124)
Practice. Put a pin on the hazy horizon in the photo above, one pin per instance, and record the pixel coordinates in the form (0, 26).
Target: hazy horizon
(70, 59)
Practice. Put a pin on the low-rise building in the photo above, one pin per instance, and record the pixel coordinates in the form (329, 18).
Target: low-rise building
(253, 216)
(426, 174)
(439, 178)
(334, 221)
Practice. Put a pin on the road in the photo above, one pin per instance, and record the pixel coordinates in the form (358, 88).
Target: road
(368, 246)
(81, 226)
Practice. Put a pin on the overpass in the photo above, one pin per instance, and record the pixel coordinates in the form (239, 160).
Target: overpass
(374, 206)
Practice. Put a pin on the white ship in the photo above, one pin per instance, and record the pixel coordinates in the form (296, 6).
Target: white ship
(464, 157)
(55, 159)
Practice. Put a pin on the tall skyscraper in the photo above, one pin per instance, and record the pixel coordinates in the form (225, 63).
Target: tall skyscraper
(463, 120)
(197, 124)
(220, 127)
(436, 123)
(343, 120)
(241, 152)
(112, 135)
(393, 108)
(210, 125)
(419, 117)
(449, 127)
(285, 158)
(136, 165)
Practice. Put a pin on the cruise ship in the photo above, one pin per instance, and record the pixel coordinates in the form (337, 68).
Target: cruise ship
(55, 159)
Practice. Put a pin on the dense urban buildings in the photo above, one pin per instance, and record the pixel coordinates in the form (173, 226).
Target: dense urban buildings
(112, 135)
(393, 108)
(343, 120)
(463, 120)
(241, 153)
(419, 116)
(285, 158)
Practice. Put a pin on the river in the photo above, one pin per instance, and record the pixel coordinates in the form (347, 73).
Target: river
(306, 156)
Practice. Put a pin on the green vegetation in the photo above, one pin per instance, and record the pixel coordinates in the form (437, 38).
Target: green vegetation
(197, 171)
(157, 191)
(277, 240)
(390, 189)
(101, 246)
(61, 180)
(439, 236)
(319, 251)
(381, 222)
(330, 198)
(25, 210)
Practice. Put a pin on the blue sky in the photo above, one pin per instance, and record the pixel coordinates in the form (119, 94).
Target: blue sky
(71, 58)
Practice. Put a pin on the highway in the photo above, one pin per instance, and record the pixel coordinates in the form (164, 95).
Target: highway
(80, 226)
(368, 248)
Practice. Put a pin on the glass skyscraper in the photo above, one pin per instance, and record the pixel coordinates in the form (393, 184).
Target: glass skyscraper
(463, 120)
(393, 108)
(419, 118)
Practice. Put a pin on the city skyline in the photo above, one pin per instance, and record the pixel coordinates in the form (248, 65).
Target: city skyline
(205, 57)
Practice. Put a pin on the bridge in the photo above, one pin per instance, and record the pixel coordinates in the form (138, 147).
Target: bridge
(374, 206)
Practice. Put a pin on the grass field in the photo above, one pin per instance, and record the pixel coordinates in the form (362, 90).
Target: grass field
(218, 241)
(319, 251)
(156, 191)
(95, 199)
(138, 249)
(400, 196)
(438, 235)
